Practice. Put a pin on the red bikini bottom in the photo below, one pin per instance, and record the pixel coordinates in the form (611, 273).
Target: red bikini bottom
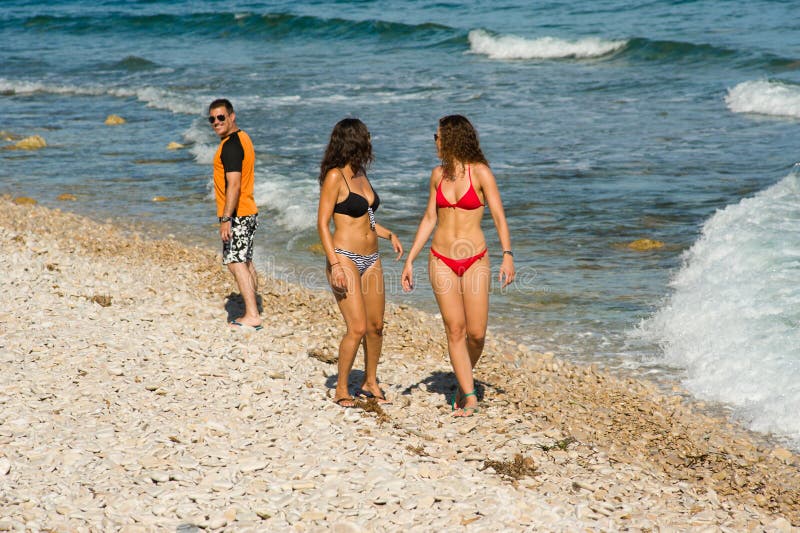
(459, 266)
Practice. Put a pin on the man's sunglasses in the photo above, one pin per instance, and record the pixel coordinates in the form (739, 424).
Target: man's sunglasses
(213, 118)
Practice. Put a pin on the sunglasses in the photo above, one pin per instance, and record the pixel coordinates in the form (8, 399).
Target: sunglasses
(213, 118)
(435, 137)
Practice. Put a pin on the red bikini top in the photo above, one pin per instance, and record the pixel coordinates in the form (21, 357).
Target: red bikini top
(469, 201)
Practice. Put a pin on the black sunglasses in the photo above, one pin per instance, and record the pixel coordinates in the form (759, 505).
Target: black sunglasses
(435, 137)
(212, 118)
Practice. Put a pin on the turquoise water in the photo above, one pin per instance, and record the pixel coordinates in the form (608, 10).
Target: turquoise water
(604, 122)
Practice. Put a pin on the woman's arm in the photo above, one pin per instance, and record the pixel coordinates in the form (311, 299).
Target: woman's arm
(424, 230)
(329, 192)
(386, 234)
(492, 195)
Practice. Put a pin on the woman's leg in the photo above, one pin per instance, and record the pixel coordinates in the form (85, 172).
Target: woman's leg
(475, 290)
(447, 289)
(372, 288)
(475, 294)
(351, 304)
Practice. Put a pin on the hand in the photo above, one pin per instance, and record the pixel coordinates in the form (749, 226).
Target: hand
(397, 246)
(338, 278)
(225, 231)
(407, 277)
(507, 271)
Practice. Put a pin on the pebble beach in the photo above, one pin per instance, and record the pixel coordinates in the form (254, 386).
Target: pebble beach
(128, 404)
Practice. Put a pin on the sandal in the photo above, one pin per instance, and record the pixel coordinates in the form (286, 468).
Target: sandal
(367, 395)
(455, 397)
(466, 411)
(340, 402)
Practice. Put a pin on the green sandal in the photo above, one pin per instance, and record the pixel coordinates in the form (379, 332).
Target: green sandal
(472, 410)
(455, 397)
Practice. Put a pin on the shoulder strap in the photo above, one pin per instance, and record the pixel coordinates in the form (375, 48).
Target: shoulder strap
(345, 179)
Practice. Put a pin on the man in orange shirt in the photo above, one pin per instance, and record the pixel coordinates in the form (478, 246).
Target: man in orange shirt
(236, 207)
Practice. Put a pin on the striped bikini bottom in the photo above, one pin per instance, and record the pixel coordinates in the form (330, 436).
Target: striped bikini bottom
(362, 262)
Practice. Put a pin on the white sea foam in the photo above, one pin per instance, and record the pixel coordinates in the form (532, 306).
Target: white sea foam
(153, 97)
(204, 142)
(733, 319)
(765, 98)
(513, 47)
(293, 198)
(192, 104)
(31, 87)
(354, 100)
(291, 202)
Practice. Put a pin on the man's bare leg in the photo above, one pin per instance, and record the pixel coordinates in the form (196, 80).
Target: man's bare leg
(243, 274)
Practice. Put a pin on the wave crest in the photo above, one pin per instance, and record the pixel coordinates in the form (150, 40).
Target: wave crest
(732, 319)
(152, 96)
(513, 47)
(765, 98)
(273, 26)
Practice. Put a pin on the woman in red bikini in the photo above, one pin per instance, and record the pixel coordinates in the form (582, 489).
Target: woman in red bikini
(458, 266)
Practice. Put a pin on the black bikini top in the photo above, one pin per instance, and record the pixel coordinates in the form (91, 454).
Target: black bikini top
(356, 205)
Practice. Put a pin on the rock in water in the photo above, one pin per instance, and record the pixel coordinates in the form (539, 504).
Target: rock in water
(34, 142)
(24, 200)
(114, 120)
(643, 245)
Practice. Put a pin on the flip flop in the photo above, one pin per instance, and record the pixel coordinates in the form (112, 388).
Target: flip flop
(367, 395)
(238, 324)
(345, 399)
(468, 411)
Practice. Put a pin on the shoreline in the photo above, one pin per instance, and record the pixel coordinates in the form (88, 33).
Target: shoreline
(237, 430)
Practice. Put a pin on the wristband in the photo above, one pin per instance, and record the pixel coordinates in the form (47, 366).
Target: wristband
(224, 219)
(509, 252)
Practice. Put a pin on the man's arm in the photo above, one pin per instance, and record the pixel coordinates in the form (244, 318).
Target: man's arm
(234, 185)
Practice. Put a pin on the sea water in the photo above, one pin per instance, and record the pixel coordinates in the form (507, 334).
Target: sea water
(604, 122)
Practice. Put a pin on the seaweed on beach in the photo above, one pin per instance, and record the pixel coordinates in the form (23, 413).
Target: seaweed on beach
(515, 469)
(322, 354)
(419, 450)
(102, 300)
(371, 405)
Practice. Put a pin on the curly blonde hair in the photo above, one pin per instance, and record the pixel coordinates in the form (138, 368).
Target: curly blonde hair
(458, 141)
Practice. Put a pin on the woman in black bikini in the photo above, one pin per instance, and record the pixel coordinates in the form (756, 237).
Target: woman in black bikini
(458, 265)
(354, 266)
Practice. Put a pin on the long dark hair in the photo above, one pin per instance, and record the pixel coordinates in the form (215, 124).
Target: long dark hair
(458, 141)
(349, 143)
